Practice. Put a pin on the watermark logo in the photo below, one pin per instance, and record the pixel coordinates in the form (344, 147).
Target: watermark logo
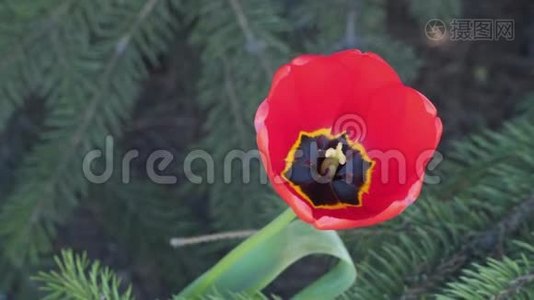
(353, 125)
(435, 29)
(471, 30)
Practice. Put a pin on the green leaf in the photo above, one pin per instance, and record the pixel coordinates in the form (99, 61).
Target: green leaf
(255, 263)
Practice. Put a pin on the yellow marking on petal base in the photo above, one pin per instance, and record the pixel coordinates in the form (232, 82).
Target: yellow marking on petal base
(364, 189)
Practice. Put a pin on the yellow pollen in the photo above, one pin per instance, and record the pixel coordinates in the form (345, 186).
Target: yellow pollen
(337, 154)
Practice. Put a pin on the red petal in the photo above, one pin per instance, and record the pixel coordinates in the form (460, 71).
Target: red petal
(315, 91)
(368, 73)
(402, 134)
(299, 206)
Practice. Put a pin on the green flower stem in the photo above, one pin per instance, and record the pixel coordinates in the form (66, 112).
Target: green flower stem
(257, 261)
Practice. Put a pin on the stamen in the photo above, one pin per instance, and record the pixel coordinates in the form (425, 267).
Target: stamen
(334, 158)
(337, 154)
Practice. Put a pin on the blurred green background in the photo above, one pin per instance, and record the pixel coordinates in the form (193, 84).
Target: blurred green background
(183, 75)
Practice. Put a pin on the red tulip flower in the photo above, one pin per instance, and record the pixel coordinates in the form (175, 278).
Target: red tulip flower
(344, 142)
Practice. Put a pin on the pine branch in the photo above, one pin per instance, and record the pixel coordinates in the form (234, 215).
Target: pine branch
(364, 27)
(507, 278)
(477, 245)
(233, 101)
(424, 11)
(31, 46)
(95, 94)
(516, 286)
(77, 278)
(253, 44)
(236, 37)
(526, 105)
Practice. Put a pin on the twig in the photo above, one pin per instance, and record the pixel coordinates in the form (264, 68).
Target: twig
(243, 23)
(240, 234)
(234, 104)
(351, 39)
(515, 286)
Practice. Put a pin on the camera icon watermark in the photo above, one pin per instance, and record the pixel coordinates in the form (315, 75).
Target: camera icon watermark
(435, 30)
(471, 30)
(351, 124)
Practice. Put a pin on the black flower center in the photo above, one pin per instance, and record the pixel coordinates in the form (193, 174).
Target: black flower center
(329, 171)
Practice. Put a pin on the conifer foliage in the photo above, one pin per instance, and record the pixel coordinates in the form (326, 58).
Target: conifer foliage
(75, 72)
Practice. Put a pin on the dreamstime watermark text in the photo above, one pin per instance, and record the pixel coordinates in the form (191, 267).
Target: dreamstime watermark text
(201, 167)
